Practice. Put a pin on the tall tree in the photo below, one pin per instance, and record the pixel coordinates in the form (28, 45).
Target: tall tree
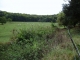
(72, 12)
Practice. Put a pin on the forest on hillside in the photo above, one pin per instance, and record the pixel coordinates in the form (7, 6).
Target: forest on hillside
(19, 17)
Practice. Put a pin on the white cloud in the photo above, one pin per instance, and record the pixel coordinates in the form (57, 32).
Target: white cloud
(40, 7)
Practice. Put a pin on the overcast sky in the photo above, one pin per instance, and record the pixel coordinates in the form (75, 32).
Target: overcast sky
(39, 7)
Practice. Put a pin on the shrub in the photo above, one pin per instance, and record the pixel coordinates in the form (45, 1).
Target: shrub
(3, 20)
(27, 46)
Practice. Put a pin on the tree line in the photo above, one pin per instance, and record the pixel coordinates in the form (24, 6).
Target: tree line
(19, 17)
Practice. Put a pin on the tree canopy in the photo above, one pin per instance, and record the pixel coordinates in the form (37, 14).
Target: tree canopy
(72, 12)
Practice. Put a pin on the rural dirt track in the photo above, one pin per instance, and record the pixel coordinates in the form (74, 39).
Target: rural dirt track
(61, 39)
(61, 36)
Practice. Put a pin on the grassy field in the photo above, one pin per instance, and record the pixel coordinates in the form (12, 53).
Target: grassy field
(6, 30)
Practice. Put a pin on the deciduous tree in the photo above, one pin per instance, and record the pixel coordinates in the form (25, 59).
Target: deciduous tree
(72, 12)
(3, 20)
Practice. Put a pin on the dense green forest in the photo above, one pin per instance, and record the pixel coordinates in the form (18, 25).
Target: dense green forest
(19, 17)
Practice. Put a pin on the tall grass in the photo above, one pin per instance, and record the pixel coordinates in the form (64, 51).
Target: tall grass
(26, 44)
(62, 47)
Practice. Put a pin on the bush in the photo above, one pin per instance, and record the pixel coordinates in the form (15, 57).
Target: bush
(3, 20)
(29, 45)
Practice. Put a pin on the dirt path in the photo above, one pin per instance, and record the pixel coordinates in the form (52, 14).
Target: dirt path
(61, 38)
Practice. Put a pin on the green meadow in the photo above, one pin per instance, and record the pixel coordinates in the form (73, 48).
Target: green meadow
(6, 30)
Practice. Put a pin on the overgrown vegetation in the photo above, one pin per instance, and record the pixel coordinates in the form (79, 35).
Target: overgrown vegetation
(38, 43)
(26, 45)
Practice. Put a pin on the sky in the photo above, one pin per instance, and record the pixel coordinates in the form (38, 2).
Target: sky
(38, 7)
